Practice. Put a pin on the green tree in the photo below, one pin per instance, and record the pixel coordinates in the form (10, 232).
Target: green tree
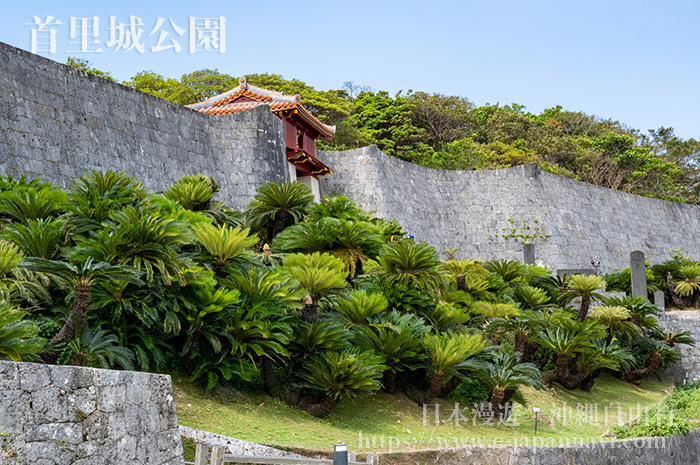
(84, 65)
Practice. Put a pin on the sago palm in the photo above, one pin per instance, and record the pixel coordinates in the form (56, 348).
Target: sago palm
(397, 339)
(81, 279)
(96, 349)
(407, 263)
(278, 205)
(360, 306)
(447, 355)
(94, 195)
(615, 320)
(340, 374)
(19, 338)
(642, 312)
(353, 242)
(504, 376)
(689, 282)
(193, 192)
(339, 207)
(512, 271)
(37, 238)
(226, 246)
(28, 203)
(460, 269)
(443, 315)
(651, 354)
(671, 338)
(583, 287)
(319, 275)
(310, 338)
(141, 238)
(568, 340)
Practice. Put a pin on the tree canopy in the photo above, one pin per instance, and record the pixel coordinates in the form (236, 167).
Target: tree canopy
(450, 132)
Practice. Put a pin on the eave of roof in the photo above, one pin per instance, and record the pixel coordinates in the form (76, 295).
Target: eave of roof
(225, 104)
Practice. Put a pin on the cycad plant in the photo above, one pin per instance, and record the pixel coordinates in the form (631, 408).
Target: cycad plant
(353, 242)
(504, 376)
(319, 275)
(94, 195)
(448, 355)
(524, 328)
(359, 306)
(566, 341)
(23, 203)
(688, 285)
(397, 340)
(141, 238)
(339, 374)
(276, 206)
(409, 264)
(339, 207)
(225, 246)
(650, 354)
(37, 238)
(583, 287)
(193, 192)
(96, 349)
(615, 319)
(310, 338)
(671, 338)
(19, 338)
(512, 271)
(642, 312)
(271, 292)
(81, 278)
(460, 269)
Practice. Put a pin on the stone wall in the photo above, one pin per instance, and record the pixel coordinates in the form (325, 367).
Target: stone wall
(672, 450)
(489, 214)
(58, 415)
(688, 369)
(233, 446)
(57, 122)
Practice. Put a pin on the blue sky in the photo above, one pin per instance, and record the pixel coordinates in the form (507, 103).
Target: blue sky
(633, 61)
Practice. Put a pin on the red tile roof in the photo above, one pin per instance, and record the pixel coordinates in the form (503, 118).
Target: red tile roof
(246, 96)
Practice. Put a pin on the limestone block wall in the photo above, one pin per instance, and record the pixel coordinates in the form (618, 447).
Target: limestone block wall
(671, 450)
(490, 214)
(688, 369)
(58, 415)
(233, 446)
(57, 122)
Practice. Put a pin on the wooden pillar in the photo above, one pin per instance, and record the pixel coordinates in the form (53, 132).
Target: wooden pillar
(201, 455)
(217, 455)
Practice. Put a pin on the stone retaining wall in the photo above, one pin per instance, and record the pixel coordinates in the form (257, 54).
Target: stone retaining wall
(57, 122)
(673, 450)
(59, 415)
(490, 214)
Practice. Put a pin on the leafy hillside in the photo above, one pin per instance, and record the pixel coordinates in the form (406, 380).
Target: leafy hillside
(450, 132)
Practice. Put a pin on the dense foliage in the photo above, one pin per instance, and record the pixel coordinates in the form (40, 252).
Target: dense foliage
(677, 414)
(339, 303)
(450, 132)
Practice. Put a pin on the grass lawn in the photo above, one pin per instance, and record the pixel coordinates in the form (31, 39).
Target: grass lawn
(392, 423)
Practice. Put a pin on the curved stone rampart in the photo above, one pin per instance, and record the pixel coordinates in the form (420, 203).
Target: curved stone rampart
(491, 214)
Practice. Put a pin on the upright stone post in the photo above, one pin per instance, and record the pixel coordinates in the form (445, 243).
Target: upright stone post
(529, 254)
(639, 274)
(660, 300)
